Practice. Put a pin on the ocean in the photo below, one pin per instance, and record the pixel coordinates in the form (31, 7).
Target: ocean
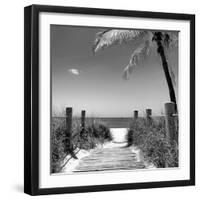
(111, 122)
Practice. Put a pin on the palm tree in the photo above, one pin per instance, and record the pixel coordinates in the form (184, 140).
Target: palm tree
(144, 42)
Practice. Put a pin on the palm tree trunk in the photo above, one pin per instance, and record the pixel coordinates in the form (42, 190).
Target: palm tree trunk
(166, 71)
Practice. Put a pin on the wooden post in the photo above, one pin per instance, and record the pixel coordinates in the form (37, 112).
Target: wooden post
(169, 121)
(148, 113)
(148, 116)
(135, 114)
(82, 122)
(68, 144)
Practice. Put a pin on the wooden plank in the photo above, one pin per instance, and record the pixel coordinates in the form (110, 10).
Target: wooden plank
(116, 158)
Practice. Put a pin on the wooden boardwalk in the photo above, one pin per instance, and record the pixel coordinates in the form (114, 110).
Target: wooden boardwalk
(115, 156)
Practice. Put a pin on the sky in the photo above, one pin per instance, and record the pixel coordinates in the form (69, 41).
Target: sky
(93, 82)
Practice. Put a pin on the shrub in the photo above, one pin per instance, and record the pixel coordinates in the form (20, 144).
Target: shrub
(150, 138)
(93, 135)
(57, 143)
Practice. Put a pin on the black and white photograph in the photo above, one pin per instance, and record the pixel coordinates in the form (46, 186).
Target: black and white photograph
(109, 100)
(98, 100)
(114, 99)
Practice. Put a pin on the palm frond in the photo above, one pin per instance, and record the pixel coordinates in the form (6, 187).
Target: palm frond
(141, 52)
(170, 39)
(115, 36)
(167, 40)
(174, 37)
(127, 71)
(136, 56)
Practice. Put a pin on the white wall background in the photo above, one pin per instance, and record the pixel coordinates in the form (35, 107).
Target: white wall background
(11, 101)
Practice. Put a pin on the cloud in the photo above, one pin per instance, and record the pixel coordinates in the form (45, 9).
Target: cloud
(74, 71)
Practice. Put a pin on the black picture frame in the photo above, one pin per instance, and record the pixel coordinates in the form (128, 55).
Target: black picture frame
(31, 98)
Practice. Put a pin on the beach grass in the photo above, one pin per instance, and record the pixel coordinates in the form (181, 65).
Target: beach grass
(94, 134)
(151, 139)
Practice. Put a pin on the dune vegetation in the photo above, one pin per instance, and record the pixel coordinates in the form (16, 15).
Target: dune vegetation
(94, 134)
(150, 138)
